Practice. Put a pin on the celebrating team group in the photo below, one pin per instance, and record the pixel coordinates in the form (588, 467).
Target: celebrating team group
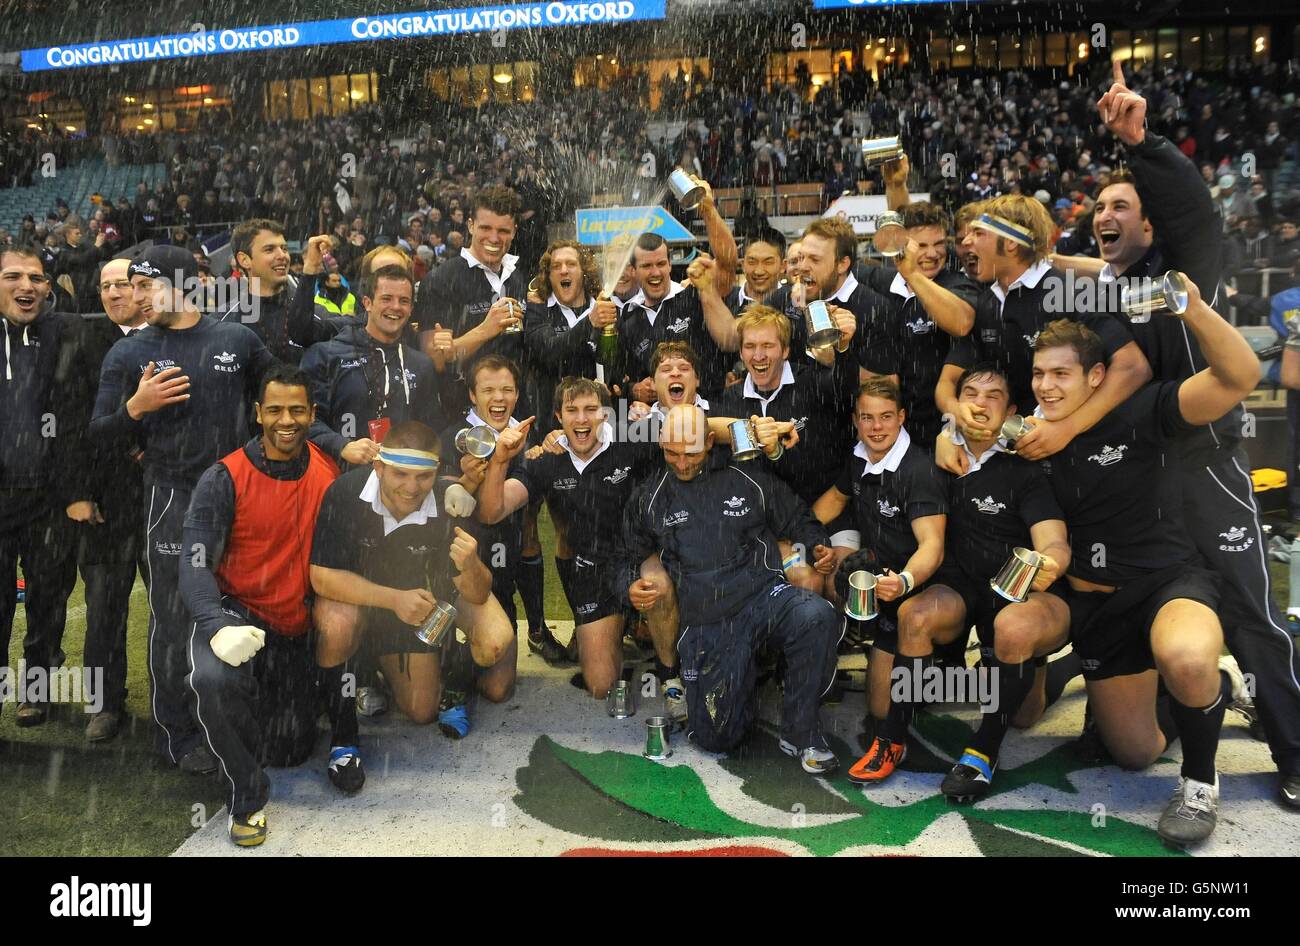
(319, 501)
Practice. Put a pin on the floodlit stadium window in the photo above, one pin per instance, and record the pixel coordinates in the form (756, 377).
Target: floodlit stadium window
(986, 52)
(963, 56)
(1056, 49)
(1216, 48)
(320, 96)
(360, 92)
(1144, 45)
(1191, 50)
(1008, 51)
(1238, 42)
(279, 93)
(1167, 46)
(940, 53)
(1122, 45)
(339, 99)
(1259, 44)
(298, 100)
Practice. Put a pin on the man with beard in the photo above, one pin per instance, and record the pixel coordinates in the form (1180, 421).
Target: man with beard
(182, 391)
(1157, 218)
(245, 582)
(827, 254)
(665, 311)
(1012, 240)
(586, 489)
(41, 481)
(715, 527)
(111, 531)
(562, 332)
(366, 379)
(927, 307)
(258, 250)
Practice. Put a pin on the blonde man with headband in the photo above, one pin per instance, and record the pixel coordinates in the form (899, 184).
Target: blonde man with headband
(1011, 239)
(380, 565)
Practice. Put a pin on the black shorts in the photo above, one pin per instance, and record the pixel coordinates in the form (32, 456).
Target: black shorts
(1111, 631)
(384, 633)
(586, 586)
(983, 604)
(883, 631)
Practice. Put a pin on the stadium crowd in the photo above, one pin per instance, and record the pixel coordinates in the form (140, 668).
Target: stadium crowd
(793, 451)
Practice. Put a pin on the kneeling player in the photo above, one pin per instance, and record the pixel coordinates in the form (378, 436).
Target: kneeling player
(1141, 603)
(1001, 504)
(379, 564)
(714, 527)
(586, 488)
(899, 505)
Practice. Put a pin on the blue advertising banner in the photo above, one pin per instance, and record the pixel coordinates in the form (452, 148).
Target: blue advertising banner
(600, 225)
(350, 30)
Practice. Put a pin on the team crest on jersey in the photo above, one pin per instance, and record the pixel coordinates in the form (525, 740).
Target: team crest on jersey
(735, 507)
(618, 475)
(1109, 455)
(801, 423)
(989, 505)
(1031, 340)
(226, 362)
(1232, 540)
(418, 549)
(643, 347)
(679, 326)
(676, 518)
(921, 326)
(886, 510)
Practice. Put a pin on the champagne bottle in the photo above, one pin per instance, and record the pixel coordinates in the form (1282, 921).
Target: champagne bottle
(607, 344)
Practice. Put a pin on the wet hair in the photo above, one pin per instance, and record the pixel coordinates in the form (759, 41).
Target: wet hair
(773, 238)
(586, 265)
(498, 200)
(1028, 213)
(665, 350)
(413, 435)
(882, 388)
(1063, 333)
(25, 249)
(985, 369)
(1125, 176)
(839, 231)
(571, 388)
(925, 214)
(492, 363)
(286, 374)
(370, 285)
(757, 315)
(649, 242)
(241, 238)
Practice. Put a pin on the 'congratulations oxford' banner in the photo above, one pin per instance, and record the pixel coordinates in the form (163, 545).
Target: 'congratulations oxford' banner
(352, 30)
(851, 4)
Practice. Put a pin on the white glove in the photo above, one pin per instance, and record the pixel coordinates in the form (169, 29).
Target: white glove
(459, 502)
(237, 644)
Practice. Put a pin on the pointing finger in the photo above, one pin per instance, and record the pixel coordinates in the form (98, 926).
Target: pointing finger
(1117, 69)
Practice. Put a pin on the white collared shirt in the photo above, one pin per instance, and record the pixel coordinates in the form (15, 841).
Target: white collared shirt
(496, 280)
(474, 420)
(999, 446)
(370, 493)
(606, 437)
(1030, 279)
(573, 318)
(899, 287)
(846, 289)
(657, 411)
(652, 314)
(890, 461)
(1107, 274)
(787, 377)
(128, 329)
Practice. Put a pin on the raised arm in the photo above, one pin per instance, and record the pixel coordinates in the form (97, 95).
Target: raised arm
(1233, 368)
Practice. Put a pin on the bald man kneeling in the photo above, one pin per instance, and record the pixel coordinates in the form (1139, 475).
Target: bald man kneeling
(715, 525)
